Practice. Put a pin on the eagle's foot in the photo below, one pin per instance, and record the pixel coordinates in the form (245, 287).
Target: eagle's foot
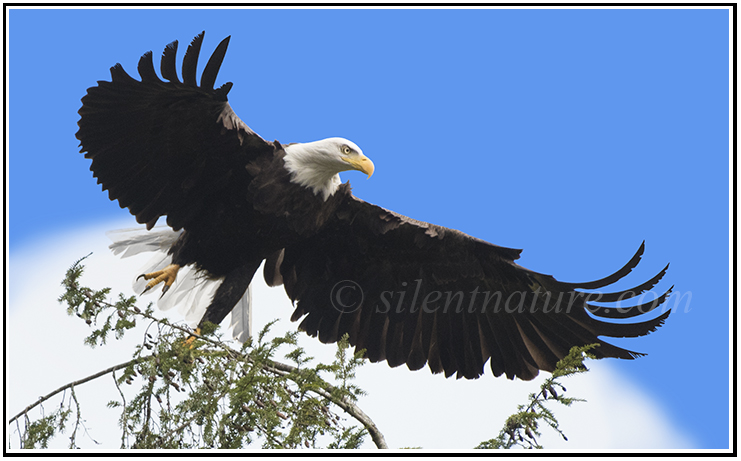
(191, 339)
(166, 275)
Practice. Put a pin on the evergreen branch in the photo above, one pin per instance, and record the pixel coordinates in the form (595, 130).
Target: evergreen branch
(169, 435)
(325, 390)
(343, 402)
(525, 421)
(77, 383)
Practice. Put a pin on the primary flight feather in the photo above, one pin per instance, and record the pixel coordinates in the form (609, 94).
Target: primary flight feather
(406, 291)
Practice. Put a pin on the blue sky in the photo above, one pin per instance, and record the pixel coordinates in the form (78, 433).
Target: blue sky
(573, 134)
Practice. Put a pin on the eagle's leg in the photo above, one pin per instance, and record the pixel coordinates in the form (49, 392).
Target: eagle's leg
(166, 275)
(230, 291)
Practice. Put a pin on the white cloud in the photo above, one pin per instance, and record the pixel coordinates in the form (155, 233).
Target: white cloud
(412, 409)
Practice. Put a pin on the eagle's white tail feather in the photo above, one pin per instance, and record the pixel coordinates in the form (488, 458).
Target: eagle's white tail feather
(192, 291)
(131, 242)
(241, 317)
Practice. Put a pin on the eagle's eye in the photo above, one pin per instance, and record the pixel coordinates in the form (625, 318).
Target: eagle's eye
(346, 150)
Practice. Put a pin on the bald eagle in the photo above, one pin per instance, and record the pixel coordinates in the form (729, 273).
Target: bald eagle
(405, 291)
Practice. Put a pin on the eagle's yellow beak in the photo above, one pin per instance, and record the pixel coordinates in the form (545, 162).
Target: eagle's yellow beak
(361, 163)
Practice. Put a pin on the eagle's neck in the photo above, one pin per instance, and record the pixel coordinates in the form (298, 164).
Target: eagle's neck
(310, 167)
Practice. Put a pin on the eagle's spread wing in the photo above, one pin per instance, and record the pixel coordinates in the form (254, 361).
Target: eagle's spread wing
(166, 148)
(415, 293)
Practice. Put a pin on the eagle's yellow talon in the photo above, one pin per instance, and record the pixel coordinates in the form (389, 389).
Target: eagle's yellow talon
(166, 275)
(189, 342)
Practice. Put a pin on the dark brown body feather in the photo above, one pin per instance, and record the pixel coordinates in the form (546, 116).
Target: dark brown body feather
(421, 294)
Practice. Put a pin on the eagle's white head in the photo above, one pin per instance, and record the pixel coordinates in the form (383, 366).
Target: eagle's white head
(317, 164)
